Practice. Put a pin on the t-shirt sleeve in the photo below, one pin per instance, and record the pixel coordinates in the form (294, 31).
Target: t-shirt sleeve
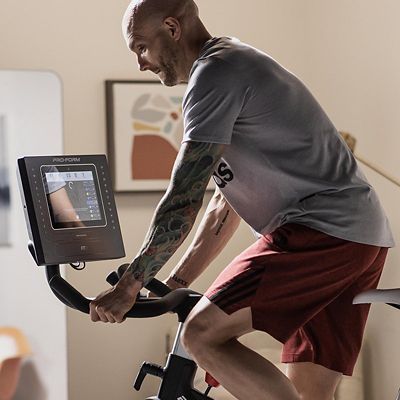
(213, 101)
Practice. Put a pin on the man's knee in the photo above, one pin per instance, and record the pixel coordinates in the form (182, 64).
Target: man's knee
(208, 327)
(196, 336)
(204, 330)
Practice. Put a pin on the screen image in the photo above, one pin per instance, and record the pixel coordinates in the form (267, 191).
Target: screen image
(72, 197)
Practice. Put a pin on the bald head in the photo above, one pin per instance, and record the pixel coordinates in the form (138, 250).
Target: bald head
(155, 11)
(166, 36)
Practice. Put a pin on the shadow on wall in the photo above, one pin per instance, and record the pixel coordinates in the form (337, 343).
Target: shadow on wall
(30, 385)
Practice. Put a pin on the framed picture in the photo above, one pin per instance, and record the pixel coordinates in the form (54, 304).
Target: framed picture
(5, 206)
(144, 132)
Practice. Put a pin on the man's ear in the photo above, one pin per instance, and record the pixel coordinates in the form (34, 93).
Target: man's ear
(173, 27)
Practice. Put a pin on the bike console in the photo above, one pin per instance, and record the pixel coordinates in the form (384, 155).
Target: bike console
(69, 209)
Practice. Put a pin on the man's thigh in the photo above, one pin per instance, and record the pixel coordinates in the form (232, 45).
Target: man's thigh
(299, 284)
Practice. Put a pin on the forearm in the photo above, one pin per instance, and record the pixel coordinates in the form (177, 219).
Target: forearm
(217, 227)
(177, 211)
(170, 226)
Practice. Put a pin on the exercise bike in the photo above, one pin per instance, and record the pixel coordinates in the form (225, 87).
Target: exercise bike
(71, 218)
(388, 296)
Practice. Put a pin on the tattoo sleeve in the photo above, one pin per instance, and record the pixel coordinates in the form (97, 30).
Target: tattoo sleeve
(177, 210)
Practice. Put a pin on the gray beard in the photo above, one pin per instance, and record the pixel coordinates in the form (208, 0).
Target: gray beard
(170, 75)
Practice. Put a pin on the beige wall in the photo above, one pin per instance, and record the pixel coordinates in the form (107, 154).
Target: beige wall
(341, 49)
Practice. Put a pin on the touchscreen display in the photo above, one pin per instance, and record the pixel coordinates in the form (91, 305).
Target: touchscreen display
(73, 196)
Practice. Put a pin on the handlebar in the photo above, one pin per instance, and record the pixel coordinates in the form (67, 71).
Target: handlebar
(179, 301)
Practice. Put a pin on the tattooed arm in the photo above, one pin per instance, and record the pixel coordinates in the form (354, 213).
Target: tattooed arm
(218, 225)
(177, 211)
(172, 222)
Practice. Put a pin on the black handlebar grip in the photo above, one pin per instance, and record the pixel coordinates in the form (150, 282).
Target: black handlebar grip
(112, 278)
(158, 288)
(143, 308)
(70, 294)
(121, 269)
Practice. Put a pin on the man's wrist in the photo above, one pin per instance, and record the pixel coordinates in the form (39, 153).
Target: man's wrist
(130, 284)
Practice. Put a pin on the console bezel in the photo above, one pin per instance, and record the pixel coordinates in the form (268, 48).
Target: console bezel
(69, 244)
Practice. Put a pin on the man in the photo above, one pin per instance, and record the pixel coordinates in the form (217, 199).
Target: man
(281, 166)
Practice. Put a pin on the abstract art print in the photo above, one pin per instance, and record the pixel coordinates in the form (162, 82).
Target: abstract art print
(145, 130)
(4, 185)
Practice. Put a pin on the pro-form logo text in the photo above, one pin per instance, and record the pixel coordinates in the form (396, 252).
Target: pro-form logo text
(181, 398)
(66, 159)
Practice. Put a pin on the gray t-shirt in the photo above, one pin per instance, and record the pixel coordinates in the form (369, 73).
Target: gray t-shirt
(286, 162)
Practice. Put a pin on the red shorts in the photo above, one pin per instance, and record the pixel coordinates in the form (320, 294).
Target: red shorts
(300, 284)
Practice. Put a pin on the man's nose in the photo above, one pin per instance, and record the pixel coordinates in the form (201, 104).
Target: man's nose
(142, 64)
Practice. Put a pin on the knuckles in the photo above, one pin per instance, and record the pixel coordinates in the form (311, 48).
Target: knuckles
(105, 314)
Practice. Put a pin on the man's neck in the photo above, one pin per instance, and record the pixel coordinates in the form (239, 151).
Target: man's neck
(193, 49)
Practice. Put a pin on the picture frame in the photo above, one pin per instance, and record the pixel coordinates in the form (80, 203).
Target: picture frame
(144, 133)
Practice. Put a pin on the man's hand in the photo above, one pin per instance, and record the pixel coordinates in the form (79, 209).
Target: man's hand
(113, 304)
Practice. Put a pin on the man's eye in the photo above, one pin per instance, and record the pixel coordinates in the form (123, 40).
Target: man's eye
(141, 49)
